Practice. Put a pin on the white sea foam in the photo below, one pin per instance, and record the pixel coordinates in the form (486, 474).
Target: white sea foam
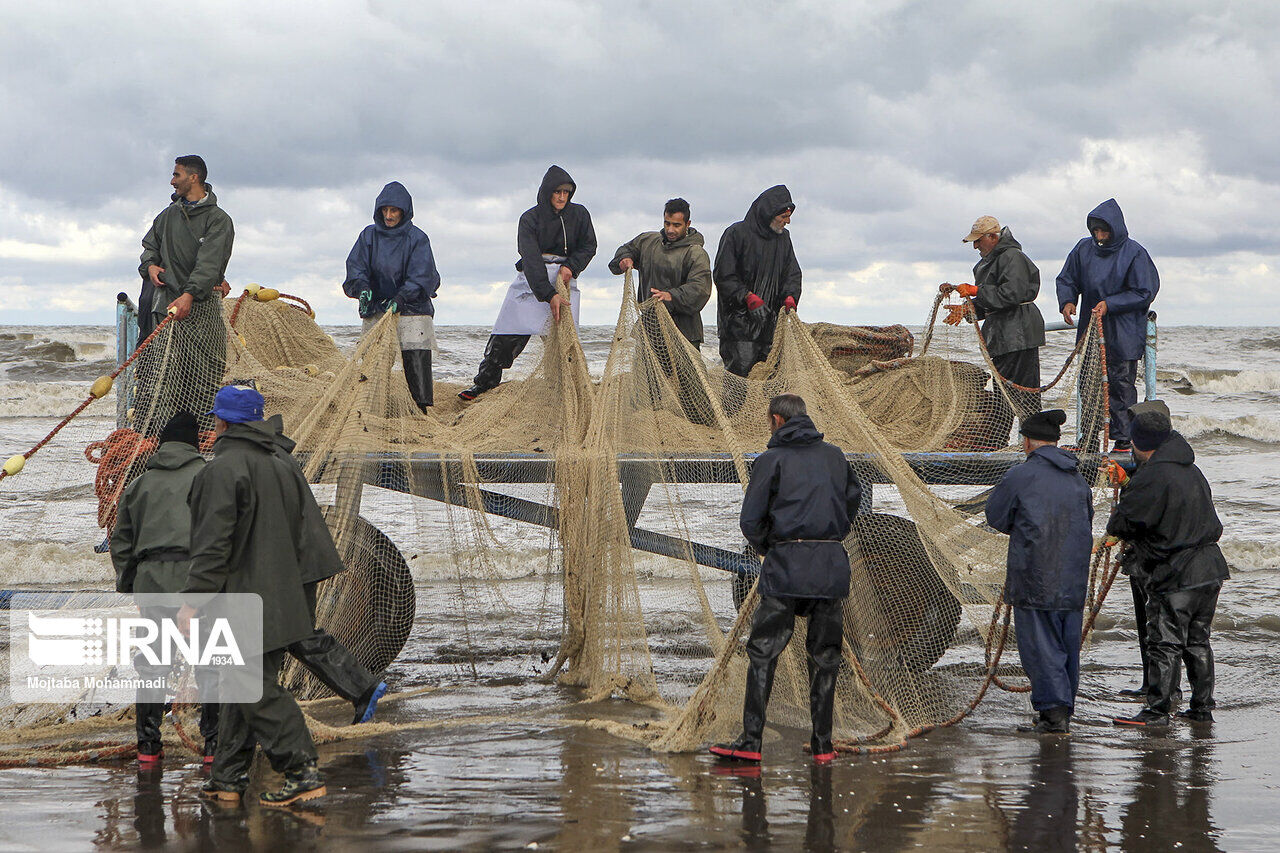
(50, 400)
(1224, 381)
(1255, 427)
(44, 563)
(1245, 555)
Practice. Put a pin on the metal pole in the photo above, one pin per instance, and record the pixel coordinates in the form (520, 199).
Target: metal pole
(126, 343)
(1149, 356)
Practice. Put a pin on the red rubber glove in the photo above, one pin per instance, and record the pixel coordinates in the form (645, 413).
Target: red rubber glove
(789, 302)
(970, 290)
(955, 313)
(754, 302)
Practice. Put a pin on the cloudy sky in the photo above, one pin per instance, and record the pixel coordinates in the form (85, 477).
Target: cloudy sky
(895, 124)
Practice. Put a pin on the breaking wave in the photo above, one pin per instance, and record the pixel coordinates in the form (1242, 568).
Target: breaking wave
(1221, 381)
(1244, 555)
(50, 400)
(1252, 427)
(44, 563)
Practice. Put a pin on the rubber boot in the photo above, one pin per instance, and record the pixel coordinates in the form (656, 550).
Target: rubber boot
(417, 374)
(745, 748)
(147, 717)
(499, 354)
(306, 783)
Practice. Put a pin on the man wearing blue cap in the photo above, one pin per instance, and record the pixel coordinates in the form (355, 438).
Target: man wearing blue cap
(253, 532)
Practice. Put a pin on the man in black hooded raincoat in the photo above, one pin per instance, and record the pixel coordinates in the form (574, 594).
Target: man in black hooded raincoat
(756, 275)
(556, 240)
(798, 508)
(1166, 517)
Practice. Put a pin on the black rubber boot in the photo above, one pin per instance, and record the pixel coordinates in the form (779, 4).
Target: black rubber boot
(299, 785)
(1146, 718)
(417, 374)
(499, 354)
(147, 717)
(745, 748)
(1195, 716)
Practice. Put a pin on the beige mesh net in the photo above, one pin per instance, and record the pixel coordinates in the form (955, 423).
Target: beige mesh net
(618, 496)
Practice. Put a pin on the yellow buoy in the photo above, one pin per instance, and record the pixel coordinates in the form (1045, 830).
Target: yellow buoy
(14, 464)
(266, 294)
(100, 388)
(252, 287)
(311, 370)
(243, 342)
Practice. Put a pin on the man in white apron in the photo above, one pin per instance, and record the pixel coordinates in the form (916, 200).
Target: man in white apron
(556, 240)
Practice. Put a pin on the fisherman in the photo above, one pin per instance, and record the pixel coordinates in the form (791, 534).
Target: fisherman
(674, 268)
(184, 259)
(391, 269)
(556, 241)
(797, 510)
(250, 534)
(149, 550)
(1046, 508)
(1110, 275)
(756, 276)
(1166, 517)
(1004, 290)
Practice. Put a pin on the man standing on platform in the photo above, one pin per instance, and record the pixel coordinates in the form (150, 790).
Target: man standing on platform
(1004, 290)
(756, 276)
(1046, 507)
(1110, 275)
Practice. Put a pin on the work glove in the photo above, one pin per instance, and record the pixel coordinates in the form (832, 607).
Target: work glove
(1116, 473)
(970, 290)
(366, 296)
(955, 313)
(754, 302)
(789, 302)
(392, 307)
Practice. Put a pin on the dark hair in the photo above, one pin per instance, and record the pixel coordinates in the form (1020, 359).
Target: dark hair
(787, 406)
(677, 205)
(193, 163)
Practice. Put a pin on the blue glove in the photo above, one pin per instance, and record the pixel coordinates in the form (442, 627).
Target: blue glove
(366, 296)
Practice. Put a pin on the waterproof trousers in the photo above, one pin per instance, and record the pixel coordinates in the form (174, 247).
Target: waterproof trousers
(329, 661)
(1122, 392)
(1049, 646)
(149, 710)
(417, 335)
(1178, 631)
(1021, 367)
(770, 632)
(499, 354)
(275, 721)
(1140, 620)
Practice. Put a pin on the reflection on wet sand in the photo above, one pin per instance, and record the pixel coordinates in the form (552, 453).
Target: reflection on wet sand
(1170, 797)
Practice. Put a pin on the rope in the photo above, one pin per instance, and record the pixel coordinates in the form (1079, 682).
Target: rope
(84, 405)
(114, 456)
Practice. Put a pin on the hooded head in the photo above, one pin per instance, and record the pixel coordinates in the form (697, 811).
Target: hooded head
(554, 177)
(767, 205)
(393, 195)
(1110, 214)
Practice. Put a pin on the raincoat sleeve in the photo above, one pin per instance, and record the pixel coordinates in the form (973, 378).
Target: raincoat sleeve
(754, 517)
(1011, 286)
(150, 251)
(1139, 510)
(692, 295)
(422, 280)
(727, 276)
(791, 280)
(358, 268)
(852, 493)
(1068, 284)
(626, 250)
(215, 506)
(123, 557)
(1141, 283)
(585, 250)
(1001, 504)
(535, 271)
(211, 257)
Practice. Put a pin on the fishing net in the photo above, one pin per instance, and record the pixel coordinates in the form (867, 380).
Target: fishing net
(582, 528)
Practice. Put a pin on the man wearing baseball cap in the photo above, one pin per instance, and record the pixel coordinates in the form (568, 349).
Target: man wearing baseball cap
(1004, 290)
(1046, 507)
(1166, 517)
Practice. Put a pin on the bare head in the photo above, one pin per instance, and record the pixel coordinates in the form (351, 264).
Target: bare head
(675, 220)
(783, 408)
(189, 176)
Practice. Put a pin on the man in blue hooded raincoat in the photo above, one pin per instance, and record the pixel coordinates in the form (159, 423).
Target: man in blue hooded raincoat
(391, 268)
(1109, 274)
(1046, 507)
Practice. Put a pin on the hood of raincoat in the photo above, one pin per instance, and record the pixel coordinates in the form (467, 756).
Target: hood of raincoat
(1109, 212)
(767, 205)
(261, 433)
(1057, 457)
(172, 455)
(796, 431)
(554, 177)
(1173, 450)
(393, 195)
